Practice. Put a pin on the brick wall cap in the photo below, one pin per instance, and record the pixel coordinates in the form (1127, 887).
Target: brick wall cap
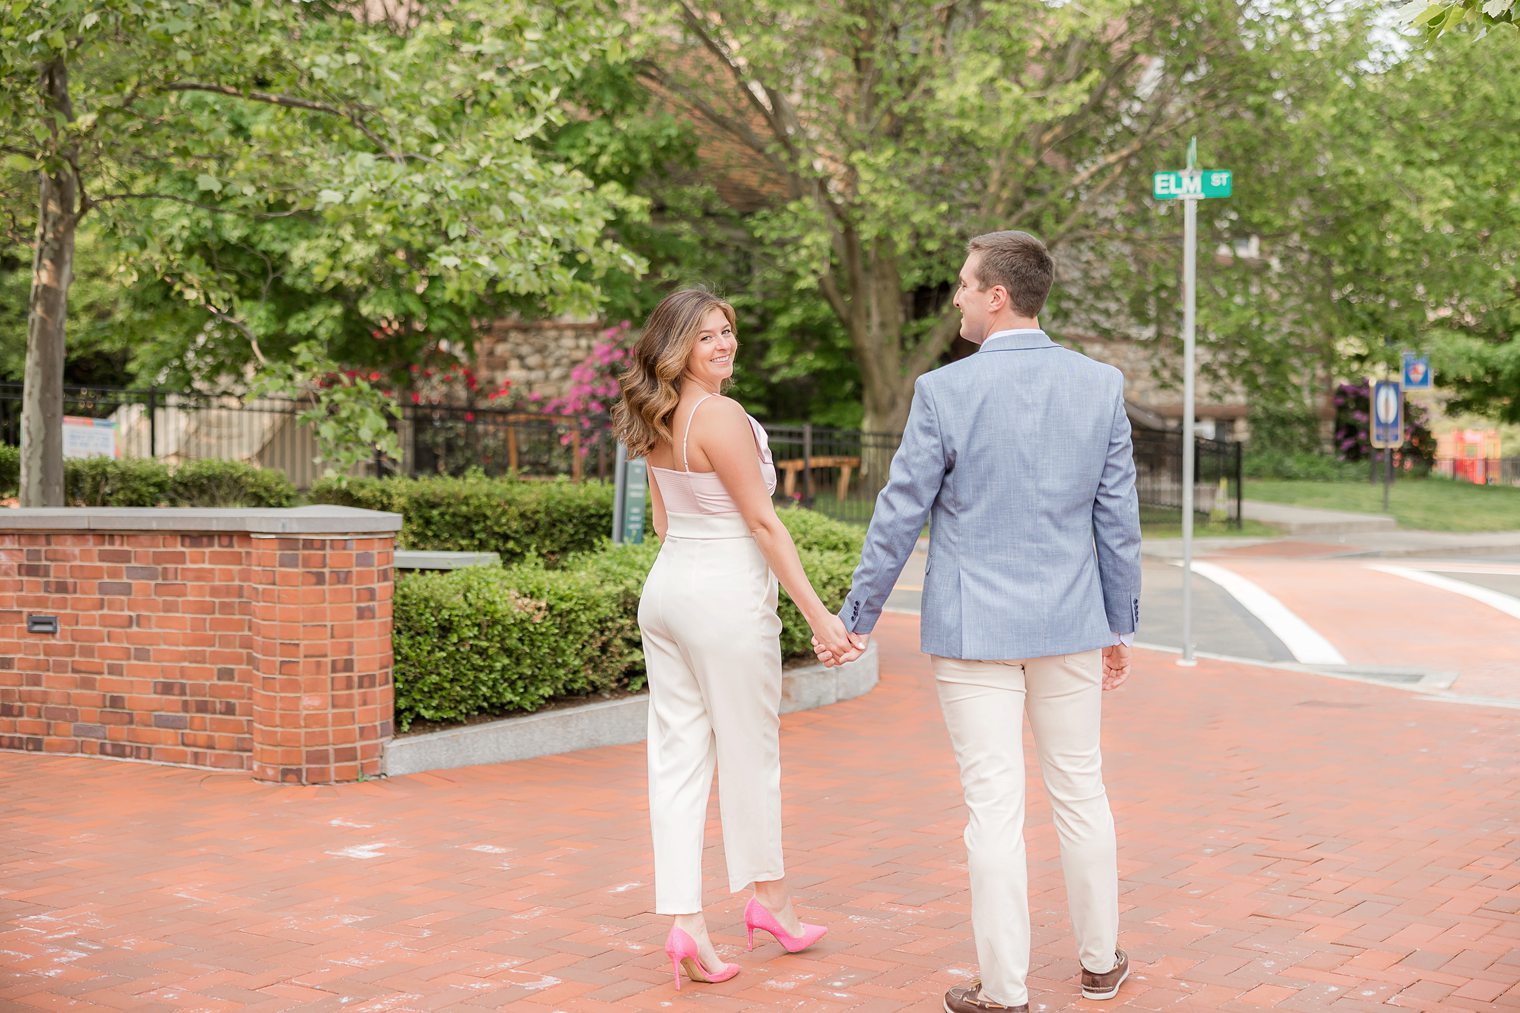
(279, 521)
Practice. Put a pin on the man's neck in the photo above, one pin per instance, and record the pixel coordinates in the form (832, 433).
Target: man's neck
(1009, 322)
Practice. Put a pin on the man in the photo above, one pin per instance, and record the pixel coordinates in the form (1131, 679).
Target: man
(1020, 459)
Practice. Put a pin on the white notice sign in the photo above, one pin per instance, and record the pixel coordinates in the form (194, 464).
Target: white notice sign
(86, 437)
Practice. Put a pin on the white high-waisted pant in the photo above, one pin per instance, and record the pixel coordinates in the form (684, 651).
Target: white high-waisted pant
(713, 653)
(984, 704)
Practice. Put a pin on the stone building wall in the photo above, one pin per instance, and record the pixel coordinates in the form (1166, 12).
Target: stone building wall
(537, 356)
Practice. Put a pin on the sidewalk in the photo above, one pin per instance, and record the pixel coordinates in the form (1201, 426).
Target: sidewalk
(1286, 841)
(1329, 533)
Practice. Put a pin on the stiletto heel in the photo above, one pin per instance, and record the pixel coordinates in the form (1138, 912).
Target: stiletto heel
(682, 950)
(757, 917)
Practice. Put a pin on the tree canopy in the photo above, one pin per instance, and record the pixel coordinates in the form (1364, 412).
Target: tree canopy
(305, 172)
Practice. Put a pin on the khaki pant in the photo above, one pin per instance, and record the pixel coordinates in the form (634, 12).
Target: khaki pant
(713, 654)
(984, 704)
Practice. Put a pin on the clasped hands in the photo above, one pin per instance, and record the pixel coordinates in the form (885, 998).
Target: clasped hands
(836, 645)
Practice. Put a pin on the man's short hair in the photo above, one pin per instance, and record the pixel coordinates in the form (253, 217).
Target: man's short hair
(1020, 263)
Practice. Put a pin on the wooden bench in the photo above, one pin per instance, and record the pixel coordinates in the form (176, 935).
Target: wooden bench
(792, 467)
(531, 421)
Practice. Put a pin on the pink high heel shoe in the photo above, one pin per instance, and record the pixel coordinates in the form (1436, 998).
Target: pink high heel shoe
(757, 917)
(682, 950)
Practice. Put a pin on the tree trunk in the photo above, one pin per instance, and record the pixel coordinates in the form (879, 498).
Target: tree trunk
(887, 401)
(52, 271)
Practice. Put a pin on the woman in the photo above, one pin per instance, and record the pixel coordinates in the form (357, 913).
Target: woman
(710, 630)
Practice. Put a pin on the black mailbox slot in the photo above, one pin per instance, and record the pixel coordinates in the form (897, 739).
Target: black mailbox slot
(42, 624)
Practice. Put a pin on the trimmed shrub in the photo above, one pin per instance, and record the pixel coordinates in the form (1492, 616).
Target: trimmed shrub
(112, 482)
(491, 640)
(229, 484)
(10, 471)
(146, 482)
(811, 529)
(477, 514)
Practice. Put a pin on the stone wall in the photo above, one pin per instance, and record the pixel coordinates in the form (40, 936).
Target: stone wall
(536, 356)
(255, 640)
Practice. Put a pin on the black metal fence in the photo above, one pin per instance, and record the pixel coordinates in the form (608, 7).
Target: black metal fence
(836, 471)
(435, 439)
(1479, 470)
(1217, 489)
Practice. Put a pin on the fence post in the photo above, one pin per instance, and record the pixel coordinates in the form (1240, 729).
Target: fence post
(1240, 481)
(153, 422)
(807, 464)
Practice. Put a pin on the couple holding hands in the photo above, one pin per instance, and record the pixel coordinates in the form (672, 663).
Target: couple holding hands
(1019, 458)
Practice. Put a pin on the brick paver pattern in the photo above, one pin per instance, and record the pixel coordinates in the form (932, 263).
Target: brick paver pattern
(1286, 841)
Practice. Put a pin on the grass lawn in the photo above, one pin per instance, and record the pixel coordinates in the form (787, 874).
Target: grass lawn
(1161, 528)
(1429, 504)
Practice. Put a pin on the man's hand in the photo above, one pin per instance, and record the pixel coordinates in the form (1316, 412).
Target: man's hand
(830, 659)
(1115, 666)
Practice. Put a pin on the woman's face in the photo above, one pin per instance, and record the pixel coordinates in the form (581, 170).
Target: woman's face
(712, 358)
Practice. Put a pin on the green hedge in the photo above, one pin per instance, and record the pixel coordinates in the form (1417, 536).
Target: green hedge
(492, 640)
(146, 482)
(1266, 462)
(511, 517)
(229, 484)
(10, 471)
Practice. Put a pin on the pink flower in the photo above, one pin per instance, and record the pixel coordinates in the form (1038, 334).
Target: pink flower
(374, 376)
(469, 416)
(416, 398)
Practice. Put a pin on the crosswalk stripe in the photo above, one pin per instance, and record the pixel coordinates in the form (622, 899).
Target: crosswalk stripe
(1507, 604)
(1301, 640)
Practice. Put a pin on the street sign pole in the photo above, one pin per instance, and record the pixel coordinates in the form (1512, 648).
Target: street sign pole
(619, 491)
(1189, 294)
(1190, 186)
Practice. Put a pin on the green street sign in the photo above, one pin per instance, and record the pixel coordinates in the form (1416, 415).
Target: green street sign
(1196, 184)
(632, 519)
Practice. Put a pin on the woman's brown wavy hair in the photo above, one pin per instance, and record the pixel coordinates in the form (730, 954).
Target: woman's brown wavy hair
(652, 382)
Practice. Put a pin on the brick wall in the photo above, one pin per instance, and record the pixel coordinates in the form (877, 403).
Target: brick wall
(261, 651)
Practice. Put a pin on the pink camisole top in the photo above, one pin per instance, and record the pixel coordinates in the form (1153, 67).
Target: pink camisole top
(702, 492)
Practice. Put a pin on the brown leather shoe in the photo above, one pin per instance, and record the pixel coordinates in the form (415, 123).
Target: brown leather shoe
(968, 999)
(1106, 985)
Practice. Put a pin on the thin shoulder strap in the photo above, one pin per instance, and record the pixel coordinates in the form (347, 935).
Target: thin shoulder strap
(685, 461)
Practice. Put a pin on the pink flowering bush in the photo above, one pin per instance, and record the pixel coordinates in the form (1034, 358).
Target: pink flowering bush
(593, 388)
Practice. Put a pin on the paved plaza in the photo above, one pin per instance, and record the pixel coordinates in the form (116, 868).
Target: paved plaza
(1287, 840)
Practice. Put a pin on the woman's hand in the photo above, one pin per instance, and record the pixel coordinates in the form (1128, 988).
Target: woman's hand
(829, 635)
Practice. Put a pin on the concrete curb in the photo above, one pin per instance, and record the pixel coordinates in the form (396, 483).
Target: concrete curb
(600, 723)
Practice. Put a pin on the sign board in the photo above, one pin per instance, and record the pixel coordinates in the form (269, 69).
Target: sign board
(1417, 375)
(635, 491)
(1191, 184)
(1387, 414)
(87, 437)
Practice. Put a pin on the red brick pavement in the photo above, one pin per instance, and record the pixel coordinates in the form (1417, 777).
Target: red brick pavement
(1286, 841)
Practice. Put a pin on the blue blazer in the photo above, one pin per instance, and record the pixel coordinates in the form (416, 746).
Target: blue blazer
(1020, 458)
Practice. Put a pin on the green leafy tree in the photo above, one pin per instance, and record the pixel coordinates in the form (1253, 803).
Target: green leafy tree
(895, 129)
(1436, 19)
(402, 156)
